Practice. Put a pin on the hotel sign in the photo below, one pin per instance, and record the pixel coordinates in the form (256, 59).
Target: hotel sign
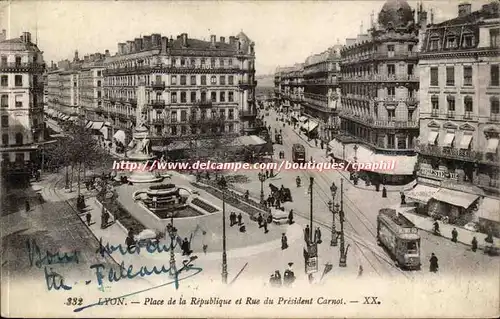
(438, 173)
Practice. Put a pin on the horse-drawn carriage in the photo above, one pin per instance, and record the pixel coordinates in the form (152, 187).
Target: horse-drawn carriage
(282, 194)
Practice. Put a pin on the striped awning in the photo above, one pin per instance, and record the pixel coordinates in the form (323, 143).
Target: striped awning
(309, 126)
(89, 124)
(455, 198)
(97, 125)
(303, 118)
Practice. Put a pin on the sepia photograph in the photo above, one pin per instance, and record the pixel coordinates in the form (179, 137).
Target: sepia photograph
(250, 159)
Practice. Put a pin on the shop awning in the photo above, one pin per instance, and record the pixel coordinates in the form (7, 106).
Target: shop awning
(394, 165)
(303, 118)
(251, 140)
(422, 193)
(448, 139)
(492, 145)
(66, 117)
(432, 137)
(120, 136)
(362, 154)
(107, 124)
(456, 198)
(489, 209)
(309, 126)
(61, 115)
(97, 125)
(89, 124)
(465, 142)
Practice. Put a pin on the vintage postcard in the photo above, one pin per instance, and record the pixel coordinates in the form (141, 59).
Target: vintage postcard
(288, 159)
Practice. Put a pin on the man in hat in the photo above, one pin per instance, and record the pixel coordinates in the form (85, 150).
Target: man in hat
(260, 219)
(239, 219)
(474, 244)
(403, 198)
(284, 241)
(454, 235)
(306, 233)
(290, 217)
(433, 267)
(317, 236)
(264, 224)
(288, 276)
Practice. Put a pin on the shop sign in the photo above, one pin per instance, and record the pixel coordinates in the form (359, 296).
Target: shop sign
(438, 173)
(312, 265)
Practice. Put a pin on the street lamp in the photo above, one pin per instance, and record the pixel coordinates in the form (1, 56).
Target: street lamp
(222, 184)
(343, 249)
(334, 209)
(262, 178)
(355, 153)
(172, 233)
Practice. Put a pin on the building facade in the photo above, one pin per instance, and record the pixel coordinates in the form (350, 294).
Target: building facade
(292, 90)
(459, 113)
(322, 91)
(21, 103)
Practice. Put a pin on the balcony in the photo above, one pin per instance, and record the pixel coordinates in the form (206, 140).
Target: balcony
(204, 103)
(158, 85)
(157, 104)
(411, 101)
(395, 124)
(450, 114)
(370, 121)
(129, 70)
(495, 117)
(380, 56)
(459, 154)
(248, 113)
(21, 67)
(157, 121)
(379, 78)
(247, 83)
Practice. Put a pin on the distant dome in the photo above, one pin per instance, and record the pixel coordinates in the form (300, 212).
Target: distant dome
(397, 13)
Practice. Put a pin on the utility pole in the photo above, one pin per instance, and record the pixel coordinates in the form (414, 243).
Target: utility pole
(311, 207)
(343, 249)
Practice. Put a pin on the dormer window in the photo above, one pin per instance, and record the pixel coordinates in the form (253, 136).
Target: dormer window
(468, 41)
(451, 42)
(434, 44)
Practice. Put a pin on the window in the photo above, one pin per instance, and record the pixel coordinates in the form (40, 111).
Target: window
(467, 41)
(213, 96)
(183, 130)
(203, 80)
(410, 47)
(494, 106)
(401, 142)
(193, 97)
(193, 79)
(391, 91)
(451, 103)
(230, 115)
(390, 140)
(173, 80)
(494, 38)
(183, 116)
(410, 69)
(222, 80)
(468, 106)
(183, 62)
(410, 115)
(173, 96)
(203, 62)
(173, 116)
(4, 100)
(230, 62)
(193, 63)
(5, 121)
(19, 100)
(222, 113)
(230, 97)
(434, 44)
(221, 63)
(222, 97)
(213, 79)
(19, 139)
(451, 42)
(19, 157)
(230, 79)
(494, 75)
(391, 114)
(468, 75)
(99, 94)
(18, 80)
(18, 60)
(4, 80)
(173, 130)
(212, 63)
(99, 73)
(3, 60)
(450, 75)
(98, 83)
(391, 69)
(174, 62)
(183, 80)
(390, 50)
(214, 114)
(203, 96)
(5, 139)
(434, 76)
(435, 103)
(183, 97)
(230, 128)
(203, 114)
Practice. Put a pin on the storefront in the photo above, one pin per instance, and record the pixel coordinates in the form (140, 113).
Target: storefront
(420, 196)
(457, 206)
(488, 216)
(310, 128)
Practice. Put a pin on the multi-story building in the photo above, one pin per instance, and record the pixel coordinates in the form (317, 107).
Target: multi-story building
(291, 89)
(322, 91)
(91, 84)
(277, 87)
(460, 116)
(379, 93)
(21, 103)
(185, 81)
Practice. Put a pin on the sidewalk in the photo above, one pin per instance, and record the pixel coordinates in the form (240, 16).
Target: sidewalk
(464, 236)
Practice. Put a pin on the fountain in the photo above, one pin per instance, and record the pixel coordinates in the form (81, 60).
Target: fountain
(139, 152)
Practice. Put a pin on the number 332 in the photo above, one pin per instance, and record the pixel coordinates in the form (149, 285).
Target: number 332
(74, 302)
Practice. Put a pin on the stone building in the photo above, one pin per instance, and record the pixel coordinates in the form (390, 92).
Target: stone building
(291, 89)
(379, 93)
(459, 161)
(21, 103)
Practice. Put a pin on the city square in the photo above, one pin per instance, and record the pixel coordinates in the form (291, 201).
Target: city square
(406, 140)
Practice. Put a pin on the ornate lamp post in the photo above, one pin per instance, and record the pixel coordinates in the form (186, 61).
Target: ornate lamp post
(355, 153)
(172, 233)
(222, 184)
(334, 209)
(262, 178)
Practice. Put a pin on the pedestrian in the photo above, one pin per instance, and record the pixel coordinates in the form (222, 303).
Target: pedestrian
(260, 220)
(88, 217)
(185, 247)
(306, 234)
(247, 194)
(474, 244)
(454, 235)
(272, 281)
(433, 267)
(231, 219)
(103, 224)
(27, 205)
(267, 173)
(288, 276)
(284, 241)
(317, 236)
(271, 173)
(264, 224)
(322, 145)
(403, 197)
(384, 192)
(316, 142)
(129, 241)
(290, 217)
(239, 219)
(360, 271)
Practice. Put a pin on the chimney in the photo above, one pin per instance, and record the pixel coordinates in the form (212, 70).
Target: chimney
(121, 48)
(3, 35)
(156, 39)
(92, 57)
(52, 66)
(76, 56)
(164, 44)
(464, 9)
(213, 38)
(138, 44)
(146, 42)
(106, 53)
(178, 37)
(130, 47)
(222, 40)
(26, 37)
(232, 40)
(184, 37)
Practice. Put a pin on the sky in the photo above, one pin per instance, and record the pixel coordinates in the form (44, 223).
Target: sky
(284, 32)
